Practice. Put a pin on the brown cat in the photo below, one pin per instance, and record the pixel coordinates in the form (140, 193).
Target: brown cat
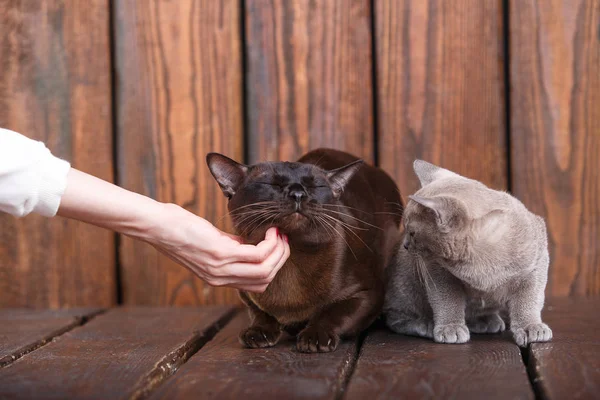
(342, 219)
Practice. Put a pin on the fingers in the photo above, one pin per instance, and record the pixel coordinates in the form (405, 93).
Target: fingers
(260, 252)
(260, 273)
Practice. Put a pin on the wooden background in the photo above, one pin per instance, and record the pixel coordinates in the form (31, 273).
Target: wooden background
(137, 92)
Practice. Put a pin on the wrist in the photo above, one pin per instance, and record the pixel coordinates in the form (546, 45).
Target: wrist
(150, 221)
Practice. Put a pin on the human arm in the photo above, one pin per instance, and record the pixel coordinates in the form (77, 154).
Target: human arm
(217, 257)
(33, 180)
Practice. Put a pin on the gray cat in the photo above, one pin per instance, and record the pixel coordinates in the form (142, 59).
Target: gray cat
(469, 254)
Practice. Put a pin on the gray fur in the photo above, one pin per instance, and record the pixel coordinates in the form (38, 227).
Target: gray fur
(470, 254)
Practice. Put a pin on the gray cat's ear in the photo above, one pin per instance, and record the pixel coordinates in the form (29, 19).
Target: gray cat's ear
(427, 172)
(227, 172)
(339, 178)
(492, 226)
(441, 206)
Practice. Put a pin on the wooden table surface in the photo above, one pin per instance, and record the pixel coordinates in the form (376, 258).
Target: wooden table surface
(181, 353)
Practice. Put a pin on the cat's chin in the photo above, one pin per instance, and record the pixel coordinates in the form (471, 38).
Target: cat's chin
(294, 221)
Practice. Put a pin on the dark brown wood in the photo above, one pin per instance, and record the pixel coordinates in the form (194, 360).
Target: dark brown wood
(55, 86)
(396, 366)
(224, 369)
(22, 331)
(568, 367)
(124, 353)
(179, 96)
(440, 88)
(309, 77)
(555, 121)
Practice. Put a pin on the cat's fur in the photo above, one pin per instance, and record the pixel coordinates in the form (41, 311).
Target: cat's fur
(342, 219)
(469, 255)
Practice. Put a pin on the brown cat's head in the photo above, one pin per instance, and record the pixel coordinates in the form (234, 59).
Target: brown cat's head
(289, 195)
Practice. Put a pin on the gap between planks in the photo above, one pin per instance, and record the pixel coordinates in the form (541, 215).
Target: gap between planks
(170, 363)
(529, 363)
(349, 365)
(77, 322)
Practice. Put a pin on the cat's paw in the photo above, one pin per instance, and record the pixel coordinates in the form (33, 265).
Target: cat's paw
(491, 323)
(451, 333)
(258, 337)
(314, 340)
(416, 327)
(532, 333)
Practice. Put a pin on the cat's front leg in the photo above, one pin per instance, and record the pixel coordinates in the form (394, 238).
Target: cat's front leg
(341, 319)
(447, 298)
(264, 331)
(525, 308)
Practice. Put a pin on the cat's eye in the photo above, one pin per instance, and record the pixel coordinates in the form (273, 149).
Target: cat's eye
(277, 185)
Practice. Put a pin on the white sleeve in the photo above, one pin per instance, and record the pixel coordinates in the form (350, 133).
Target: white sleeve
(31, 178)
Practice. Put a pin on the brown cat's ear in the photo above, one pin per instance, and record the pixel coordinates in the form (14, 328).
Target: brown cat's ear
(442, 207)
(228, 173)
(339, 178)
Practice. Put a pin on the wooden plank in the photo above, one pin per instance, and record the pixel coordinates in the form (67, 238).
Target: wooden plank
(440, 88)
(555, 120)
(568, 367)
(309, 77)
(179, 96)
(23, 330)
(124, 353)
(55, 86)
(224, 369)
(393, 366)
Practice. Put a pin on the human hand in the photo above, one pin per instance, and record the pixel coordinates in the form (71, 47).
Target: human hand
(218, 258)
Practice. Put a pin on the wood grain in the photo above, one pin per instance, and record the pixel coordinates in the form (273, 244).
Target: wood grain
(224, 369)
(124, 353)
(568, 367)
(309, 78)
(555, 125)
(55, 87)
(440, 88)
(179, 96)
(22, 330)
(393, 365)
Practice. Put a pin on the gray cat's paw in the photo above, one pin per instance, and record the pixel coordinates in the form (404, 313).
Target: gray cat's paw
(451, 333)
(415, 327)
(491, 323)
(532, 333)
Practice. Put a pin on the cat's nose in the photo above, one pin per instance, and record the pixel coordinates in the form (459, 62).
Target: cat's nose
(297, 193)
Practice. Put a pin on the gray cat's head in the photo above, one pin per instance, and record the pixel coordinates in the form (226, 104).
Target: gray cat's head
(437, 220)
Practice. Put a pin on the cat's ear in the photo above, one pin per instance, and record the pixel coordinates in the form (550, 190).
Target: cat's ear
(339, 178)
(442, 207)
(427, 172)
(492, 226)
(227, 172)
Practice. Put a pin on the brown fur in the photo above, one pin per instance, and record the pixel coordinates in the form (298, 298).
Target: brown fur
(324, 290)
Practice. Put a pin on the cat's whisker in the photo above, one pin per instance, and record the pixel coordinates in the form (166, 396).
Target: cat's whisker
(349, 230)
(342, 237)
(353, 217)
(257, 205)
(250, 216)
(349, 226)
(326, 229)
(425, 271)
(344, 206)
(259, 217)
